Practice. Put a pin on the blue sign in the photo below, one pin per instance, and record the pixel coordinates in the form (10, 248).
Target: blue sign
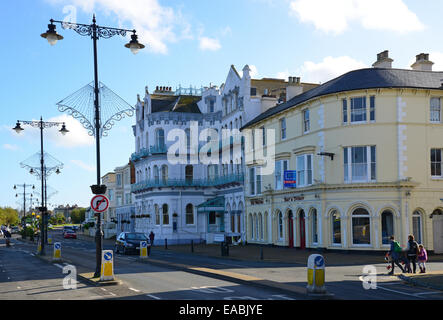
(108, 256)
(144, 244)
(57, 246)
(319, 261)
(290, 179)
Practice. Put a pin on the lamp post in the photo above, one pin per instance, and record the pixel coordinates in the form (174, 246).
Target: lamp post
(96, 32)
(24, 194)
(41, 125)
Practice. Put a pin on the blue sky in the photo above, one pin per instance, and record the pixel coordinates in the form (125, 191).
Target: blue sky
(188, 43)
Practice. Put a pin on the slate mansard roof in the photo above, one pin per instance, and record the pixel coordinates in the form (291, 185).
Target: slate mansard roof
(371, 78)
(170, 103)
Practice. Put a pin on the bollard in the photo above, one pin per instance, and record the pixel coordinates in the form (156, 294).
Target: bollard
(192, 246)
(107, 270)
(166, 244)
(57, 255)
(227, 249)
(222, 249)
(316, 274)
(261, 253)
(143, 249)
(49, 240)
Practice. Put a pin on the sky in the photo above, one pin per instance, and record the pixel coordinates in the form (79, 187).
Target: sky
(187, 43)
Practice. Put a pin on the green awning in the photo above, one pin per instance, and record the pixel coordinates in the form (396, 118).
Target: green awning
(216, 204)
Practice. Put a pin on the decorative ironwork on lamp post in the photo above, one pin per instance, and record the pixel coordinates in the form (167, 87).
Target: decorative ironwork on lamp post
(42, 171)
(96, 32)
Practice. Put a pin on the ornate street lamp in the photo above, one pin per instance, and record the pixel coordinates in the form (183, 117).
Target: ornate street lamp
(43, 170)
(96, 32)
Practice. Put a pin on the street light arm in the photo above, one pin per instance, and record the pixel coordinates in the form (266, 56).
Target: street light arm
(87, 29)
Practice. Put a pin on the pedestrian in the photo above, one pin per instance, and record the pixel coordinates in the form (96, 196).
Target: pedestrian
(422, 258)
(151, 238)
(7, 235)
(395, 252)
(412, 252)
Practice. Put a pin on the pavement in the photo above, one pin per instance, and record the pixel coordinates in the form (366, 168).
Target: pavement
(432, 279)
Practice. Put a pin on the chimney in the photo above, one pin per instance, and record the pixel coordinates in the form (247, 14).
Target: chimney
(383, 60)
(294, 88)
(422, 62)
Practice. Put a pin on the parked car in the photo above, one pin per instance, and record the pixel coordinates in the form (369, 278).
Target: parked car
(129, 242)
(65, 228)
(15, 230)
(69, 234)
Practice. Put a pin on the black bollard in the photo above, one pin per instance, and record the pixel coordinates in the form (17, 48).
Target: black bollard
(192, 245)
(261, 253)
(166, 244)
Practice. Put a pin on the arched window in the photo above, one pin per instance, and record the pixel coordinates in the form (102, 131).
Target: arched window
(156, 175)
(336, 227)
(314, 230)
(189, 174)
(189, 214)
(256, 227)
(164, 174)
(236, 123)
(147, 141)
(280, 225)
(165, 214)
(260, 226)
(251, 227)
(417, 226)
(232, 222)
(387, 226)
(157, 215)
(160, 138)
(149, 173)
(240, 213)
(361, 230)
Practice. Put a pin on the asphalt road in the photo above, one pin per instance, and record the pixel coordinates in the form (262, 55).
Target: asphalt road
(153, 282)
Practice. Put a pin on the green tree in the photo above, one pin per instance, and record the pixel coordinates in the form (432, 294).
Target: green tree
(9, 216)
(78, 215)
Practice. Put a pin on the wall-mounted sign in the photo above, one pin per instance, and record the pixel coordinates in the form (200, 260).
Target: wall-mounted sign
(290, 179)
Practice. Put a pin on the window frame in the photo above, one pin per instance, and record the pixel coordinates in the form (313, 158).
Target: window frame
(353, 110)
(305, 170)
(371, 164)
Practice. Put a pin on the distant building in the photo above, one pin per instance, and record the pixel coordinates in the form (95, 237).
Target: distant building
(65, 210)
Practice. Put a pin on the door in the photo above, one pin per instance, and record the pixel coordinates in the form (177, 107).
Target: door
(290, 230)
(437, 223)
(302, 230)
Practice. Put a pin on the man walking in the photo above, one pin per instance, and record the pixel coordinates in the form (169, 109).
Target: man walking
(412, 251)
(395, 252)
(151, 238)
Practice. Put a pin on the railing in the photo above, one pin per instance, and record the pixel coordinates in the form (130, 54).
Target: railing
(170, 183)
(143, 153)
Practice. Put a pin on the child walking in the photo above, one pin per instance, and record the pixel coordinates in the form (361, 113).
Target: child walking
(422, 258)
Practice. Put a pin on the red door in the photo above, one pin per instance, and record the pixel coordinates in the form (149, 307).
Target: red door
(290, 232)
(302, 231)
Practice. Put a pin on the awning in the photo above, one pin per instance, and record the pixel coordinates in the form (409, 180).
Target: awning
(216, 204)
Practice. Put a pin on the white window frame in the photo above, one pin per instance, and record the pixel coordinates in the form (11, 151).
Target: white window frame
(306, 121)
(256, 180)
(348, 166)
(305, 170)
(433, 111)
(280, 175)
(283, 129)
(364, 98)
(441, 164)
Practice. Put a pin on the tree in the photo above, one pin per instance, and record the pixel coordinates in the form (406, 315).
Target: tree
(78, 215)
(9, 216)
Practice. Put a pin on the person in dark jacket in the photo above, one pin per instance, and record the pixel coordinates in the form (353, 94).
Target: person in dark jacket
(7, 235)
(412, 251)
(151, 238)
(395, 256)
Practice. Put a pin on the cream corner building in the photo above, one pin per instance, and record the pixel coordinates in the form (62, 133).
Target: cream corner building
(367, 151)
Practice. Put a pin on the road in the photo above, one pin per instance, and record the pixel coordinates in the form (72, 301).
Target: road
(149, 281)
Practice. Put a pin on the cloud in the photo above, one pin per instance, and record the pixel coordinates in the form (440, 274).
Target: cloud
(283, 74)
(254, 71)
(335, 16)
(156, 25)
(76, 137)
(209, 44)
(83, 165)
(327, 69)
(11, 147)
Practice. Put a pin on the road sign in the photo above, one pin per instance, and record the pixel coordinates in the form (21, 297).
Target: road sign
(143, 249)
(57, 252)
(100, 203)
(107, 270)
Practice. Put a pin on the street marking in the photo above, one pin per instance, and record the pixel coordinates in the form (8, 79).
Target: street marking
(134, 289)
(57, 265)
(153, 297)
(423, 293)
(282, 297)
(399, 292)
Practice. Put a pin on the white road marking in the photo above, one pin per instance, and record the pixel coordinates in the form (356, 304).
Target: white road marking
(57, 265)
(399, 292)
(423, 293)
(134, 289)
(153, 297)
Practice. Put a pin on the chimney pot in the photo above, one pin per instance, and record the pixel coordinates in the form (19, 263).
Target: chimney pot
(383, 60)
(422, 62)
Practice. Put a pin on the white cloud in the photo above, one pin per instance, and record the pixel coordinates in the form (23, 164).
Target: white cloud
(254, 71)
(83, 165)
(11, 147)
(209, 44)
(76, 137)
(283, 75)
(156, 25)
(329, 68)
(335, 16)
